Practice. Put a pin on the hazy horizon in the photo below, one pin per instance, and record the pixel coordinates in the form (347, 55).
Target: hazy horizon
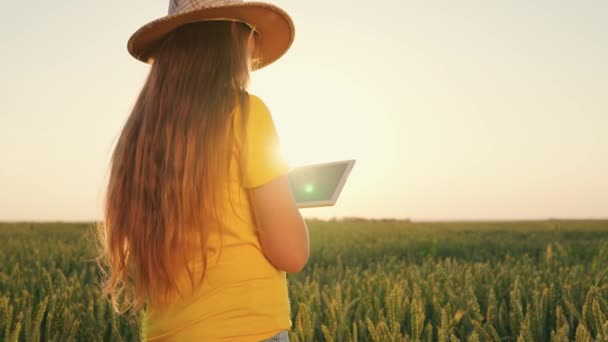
(351, 218)
(454, 111)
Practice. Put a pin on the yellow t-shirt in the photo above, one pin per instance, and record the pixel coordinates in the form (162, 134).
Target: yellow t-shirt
(243, 297)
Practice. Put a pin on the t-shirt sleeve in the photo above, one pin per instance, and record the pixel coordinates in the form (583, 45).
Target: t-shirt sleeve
(261, 161)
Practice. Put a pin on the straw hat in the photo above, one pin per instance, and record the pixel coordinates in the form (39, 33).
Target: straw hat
(274, 26)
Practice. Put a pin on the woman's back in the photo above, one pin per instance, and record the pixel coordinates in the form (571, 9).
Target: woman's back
(242, 291)
(200, 225)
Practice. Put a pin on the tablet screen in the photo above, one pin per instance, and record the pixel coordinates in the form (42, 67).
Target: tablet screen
(318, 185)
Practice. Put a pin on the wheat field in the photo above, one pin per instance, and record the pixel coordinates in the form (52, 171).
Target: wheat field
(365, 281)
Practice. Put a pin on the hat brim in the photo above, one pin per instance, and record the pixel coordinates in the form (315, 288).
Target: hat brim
(274, 25)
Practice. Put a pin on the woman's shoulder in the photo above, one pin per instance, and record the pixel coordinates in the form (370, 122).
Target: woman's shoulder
(256, 104)
(252, 119)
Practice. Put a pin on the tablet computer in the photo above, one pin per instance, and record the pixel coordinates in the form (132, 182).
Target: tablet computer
(319, 185)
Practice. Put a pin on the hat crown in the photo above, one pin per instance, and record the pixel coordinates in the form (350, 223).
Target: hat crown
(180, 6)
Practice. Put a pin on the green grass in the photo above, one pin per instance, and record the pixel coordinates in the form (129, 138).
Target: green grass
(365, 281)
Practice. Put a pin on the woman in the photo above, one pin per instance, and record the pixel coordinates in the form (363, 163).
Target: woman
(200, 225)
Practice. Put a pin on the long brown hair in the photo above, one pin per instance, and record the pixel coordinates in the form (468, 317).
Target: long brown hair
(170, 167)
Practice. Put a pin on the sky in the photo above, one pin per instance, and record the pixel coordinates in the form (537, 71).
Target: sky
(465, 110)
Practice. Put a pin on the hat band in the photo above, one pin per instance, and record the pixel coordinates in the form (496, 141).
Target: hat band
(233, 20)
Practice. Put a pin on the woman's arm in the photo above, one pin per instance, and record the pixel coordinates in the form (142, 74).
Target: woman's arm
(282, 230)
